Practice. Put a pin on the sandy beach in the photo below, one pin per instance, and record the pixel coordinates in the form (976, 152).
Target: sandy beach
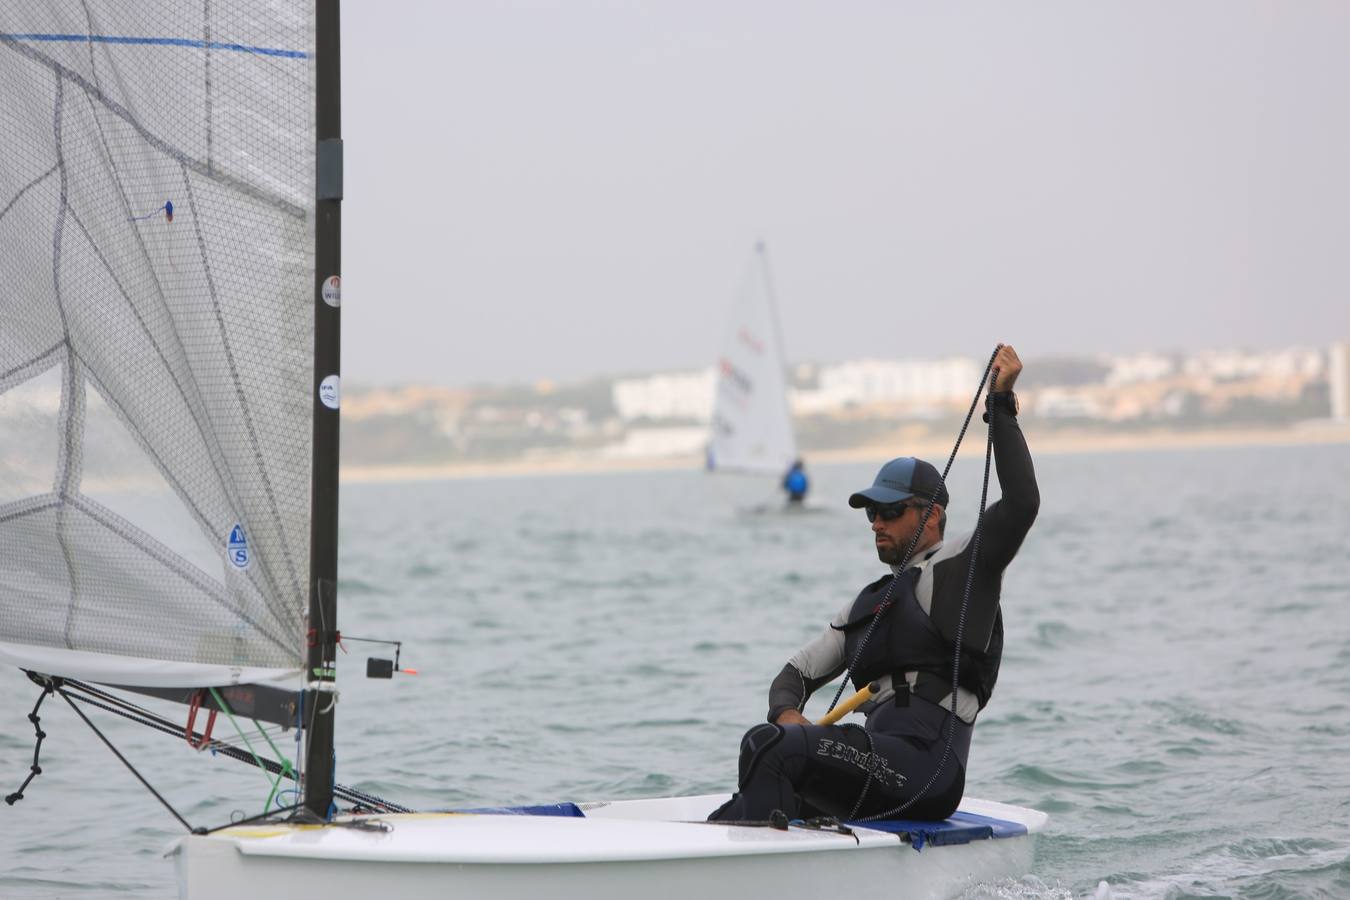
(905, 440)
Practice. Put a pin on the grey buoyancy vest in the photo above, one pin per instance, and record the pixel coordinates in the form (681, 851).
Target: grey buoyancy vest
(906, 639)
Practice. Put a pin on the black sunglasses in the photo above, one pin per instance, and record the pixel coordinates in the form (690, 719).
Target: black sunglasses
(888, 512)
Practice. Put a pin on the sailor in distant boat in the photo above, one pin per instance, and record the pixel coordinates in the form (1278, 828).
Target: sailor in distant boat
(806, 770)
(795, 482)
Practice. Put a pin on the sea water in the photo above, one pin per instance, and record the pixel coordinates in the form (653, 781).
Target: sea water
(1175, 689)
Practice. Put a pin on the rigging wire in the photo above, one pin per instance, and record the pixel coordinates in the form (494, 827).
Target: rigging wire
(287, 768)
(90, 695)
(126, 762)
(956, 655)
(989, 377)
(886, 601)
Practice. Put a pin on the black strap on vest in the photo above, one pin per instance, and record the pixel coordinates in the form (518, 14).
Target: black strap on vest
(901, 688)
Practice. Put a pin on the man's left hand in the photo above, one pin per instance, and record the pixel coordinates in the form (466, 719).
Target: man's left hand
(1007, 367)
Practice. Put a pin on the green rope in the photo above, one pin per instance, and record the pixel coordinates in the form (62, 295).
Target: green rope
(286, 767)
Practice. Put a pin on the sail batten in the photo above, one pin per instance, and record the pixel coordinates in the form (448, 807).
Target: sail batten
(157, 258)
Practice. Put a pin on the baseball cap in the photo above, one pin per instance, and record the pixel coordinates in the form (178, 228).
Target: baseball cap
(901, 479)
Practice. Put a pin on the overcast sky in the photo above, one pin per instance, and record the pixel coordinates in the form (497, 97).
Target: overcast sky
(569, 188)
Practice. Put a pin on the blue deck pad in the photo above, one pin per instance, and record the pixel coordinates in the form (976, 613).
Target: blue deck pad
(961, 828)
(563, 810)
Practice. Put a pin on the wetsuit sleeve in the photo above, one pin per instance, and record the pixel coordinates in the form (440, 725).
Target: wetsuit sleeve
(816, 664)
(1006, 523)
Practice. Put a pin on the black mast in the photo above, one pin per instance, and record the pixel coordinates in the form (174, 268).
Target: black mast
(320, 674)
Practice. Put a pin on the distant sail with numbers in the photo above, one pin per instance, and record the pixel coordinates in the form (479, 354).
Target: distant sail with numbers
(751, 427)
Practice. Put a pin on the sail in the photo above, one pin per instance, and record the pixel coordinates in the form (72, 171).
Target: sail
(156, 338)
(751, 426)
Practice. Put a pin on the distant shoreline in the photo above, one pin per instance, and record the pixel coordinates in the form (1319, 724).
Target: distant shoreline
(1046, 443)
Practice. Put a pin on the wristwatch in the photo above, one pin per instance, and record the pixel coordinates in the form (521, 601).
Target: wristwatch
(1005, 399)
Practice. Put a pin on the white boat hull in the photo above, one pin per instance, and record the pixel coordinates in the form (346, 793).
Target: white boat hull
(624, 849)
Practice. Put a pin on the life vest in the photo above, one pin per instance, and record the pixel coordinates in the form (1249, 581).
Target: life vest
(906, 640)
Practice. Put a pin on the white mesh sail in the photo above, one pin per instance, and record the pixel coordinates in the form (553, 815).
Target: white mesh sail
(156, 338)
(751, 427)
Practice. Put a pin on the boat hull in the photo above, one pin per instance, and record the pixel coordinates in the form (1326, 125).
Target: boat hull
(618, 850)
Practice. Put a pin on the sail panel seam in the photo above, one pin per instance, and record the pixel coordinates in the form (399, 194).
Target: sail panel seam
(246, 188)
(208, 85)
(148, 545)
(28, 506)
(191, 399)
(206, 434)
(166, 557)
(26, 188)
(239, 390)
(31, 369)
(72, 410)
(279, 619)
(70, 390)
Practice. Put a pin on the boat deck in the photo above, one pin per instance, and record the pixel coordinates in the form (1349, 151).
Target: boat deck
(659, 848)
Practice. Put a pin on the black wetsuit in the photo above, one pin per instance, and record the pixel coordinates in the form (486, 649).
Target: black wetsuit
(807, 770)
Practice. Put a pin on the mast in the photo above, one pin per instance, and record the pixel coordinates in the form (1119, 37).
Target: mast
(320, 663)
(763, 252)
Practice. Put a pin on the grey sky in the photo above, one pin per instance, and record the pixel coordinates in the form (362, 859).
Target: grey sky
(560, 189)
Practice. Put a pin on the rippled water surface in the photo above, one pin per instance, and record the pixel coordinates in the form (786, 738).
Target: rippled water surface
(1175, 689)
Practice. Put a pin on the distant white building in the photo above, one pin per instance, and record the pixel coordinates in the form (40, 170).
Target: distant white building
(1068, 403)
(689, 395)
(1338, 377)
(1235, 364)
(679, 395)
(867, 381)
(1138, 367)
(656, 443)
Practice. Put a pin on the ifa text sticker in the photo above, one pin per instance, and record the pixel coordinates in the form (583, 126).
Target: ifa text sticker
(236, 548)
(332, 290)
(330, 392)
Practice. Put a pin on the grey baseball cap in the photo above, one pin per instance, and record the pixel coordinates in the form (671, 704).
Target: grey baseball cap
(901, 479)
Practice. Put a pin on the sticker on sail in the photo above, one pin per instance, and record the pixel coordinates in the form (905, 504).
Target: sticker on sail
(332, 290)
(166, 209)
(236, 548)
(330, 392)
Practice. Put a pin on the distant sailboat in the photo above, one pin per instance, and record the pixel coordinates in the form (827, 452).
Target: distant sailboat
(751, 429)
